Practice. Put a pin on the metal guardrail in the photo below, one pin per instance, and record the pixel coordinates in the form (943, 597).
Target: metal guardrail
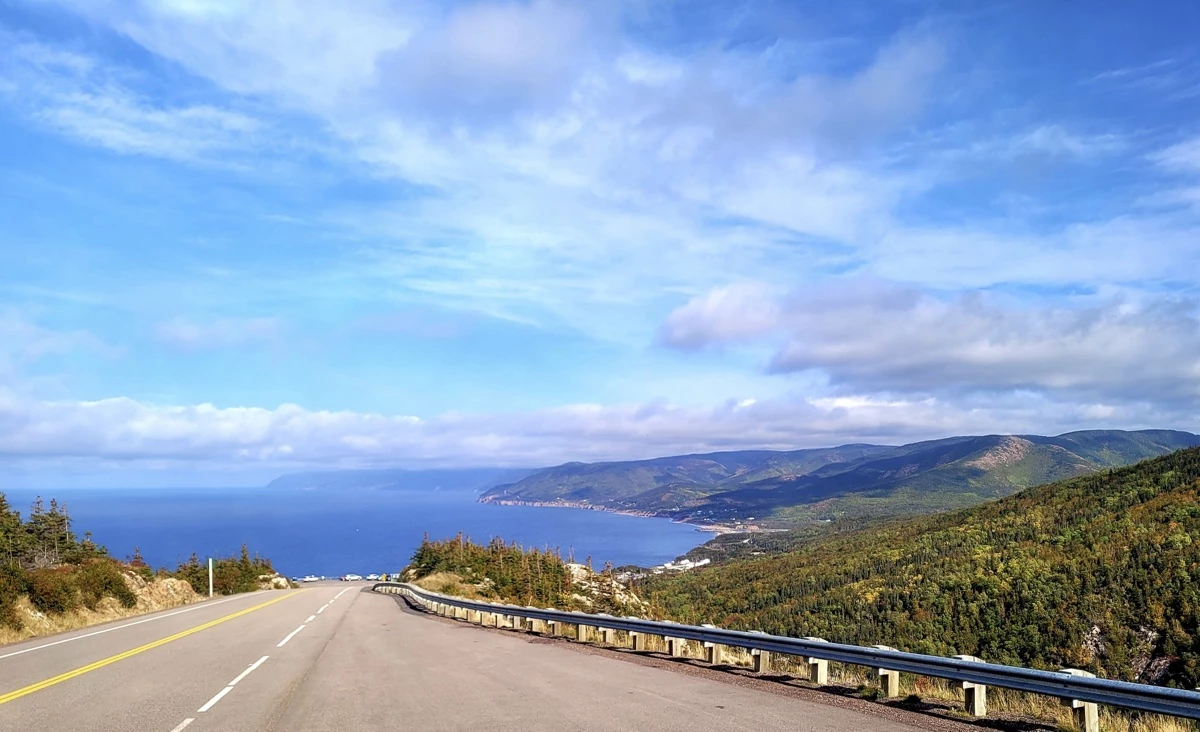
(1142, 697)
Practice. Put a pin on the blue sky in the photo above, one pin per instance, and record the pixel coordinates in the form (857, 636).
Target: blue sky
(241, 238)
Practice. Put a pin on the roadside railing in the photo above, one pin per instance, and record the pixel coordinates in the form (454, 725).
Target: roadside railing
(1077, 689)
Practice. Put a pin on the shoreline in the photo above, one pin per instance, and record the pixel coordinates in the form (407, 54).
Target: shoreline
(706, 528)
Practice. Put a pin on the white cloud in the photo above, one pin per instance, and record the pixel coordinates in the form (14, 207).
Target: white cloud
(220, 333)
(871, 338)
(727, 314)
(1183, 157)
(130, 433)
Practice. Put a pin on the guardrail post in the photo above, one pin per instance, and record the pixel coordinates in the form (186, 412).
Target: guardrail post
(713, 652)
(818, 668)
(762, 661)
(638, 639)
(552, 627)
(675, 647)
(1085, 714)
(889, 681)
(608, 636)
(583, 632)
(976, 694)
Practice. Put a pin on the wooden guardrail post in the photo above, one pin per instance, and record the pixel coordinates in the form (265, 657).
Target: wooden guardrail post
(1085, 714)
(889, 681)
(975, 694)
(762, 660)
(818, 668)
(638, 640)
(583, 632)
(714, 653)
(608, 636)
(675, 647)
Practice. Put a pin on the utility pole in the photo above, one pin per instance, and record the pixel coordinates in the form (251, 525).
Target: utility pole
(210, 572)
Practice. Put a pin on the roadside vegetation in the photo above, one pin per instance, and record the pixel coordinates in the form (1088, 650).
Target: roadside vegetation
(53, 580)
(512, 574)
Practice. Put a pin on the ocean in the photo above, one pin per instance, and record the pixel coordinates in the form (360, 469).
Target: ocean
(336, 532)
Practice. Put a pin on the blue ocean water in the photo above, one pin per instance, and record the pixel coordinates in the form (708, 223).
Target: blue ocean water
(334, 532)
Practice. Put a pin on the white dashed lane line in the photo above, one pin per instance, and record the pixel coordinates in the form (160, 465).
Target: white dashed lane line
(322, 608)
(311, 618)
(246, 673)
(291, 635)
(221, 694)
(183, 724)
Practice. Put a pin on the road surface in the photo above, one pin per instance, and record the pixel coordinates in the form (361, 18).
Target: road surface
(333, 656)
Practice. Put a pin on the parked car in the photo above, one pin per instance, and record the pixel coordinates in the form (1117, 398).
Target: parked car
(309, 578)
(351, 577)
(372, 576)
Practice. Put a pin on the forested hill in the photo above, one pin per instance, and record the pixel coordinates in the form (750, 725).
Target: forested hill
(1100, 572)
(857, 481)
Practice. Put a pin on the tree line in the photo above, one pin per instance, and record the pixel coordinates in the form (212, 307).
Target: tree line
(42, 558)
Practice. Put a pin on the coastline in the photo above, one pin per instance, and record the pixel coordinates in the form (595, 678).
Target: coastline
(705, 527)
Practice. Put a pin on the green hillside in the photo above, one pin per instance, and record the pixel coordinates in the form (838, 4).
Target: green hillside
(848, 482)
(1100, 572)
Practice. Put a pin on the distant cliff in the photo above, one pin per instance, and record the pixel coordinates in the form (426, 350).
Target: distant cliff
(800, 486)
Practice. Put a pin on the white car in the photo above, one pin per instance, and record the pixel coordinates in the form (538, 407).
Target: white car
(308, 578)
(372, 576)
(351, 577)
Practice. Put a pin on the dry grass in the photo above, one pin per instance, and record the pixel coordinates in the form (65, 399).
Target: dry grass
(449, 583)
(161, 594)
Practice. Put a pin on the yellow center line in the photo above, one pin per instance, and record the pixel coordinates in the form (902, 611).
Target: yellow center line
(5, 698)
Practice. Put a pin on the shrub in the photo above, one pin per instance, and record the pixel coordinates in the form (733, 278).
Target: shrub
(12, 585)
(52, 591)
(103, 578)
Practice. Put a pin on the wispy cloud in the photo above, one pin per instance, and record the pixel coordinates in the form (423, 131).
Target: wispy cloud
(95, 103)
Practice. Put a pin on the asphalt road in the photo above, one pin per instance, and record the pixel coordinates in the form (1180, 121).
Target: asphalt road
(333, 657)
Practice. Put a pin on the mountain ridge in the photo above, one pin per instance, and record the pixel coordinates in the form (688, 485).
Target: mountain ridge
(785, 488)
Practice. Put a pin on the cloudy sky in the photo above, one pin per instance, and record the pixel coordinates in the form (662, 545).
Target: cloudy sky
(240, 238)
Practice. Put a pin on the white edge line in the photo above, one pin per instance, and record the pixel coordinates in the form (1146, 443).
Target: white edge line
(200, 606)
(311, 618)
(183, 724)
(215, 699)
(246, 673)
(289, 636)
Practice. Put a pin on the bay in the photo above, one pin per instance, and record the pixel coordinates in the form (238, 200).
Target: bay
(335, 532)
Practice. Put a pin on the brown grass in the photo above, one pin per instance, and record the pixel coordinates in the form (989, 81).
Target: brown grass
(160, 594)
